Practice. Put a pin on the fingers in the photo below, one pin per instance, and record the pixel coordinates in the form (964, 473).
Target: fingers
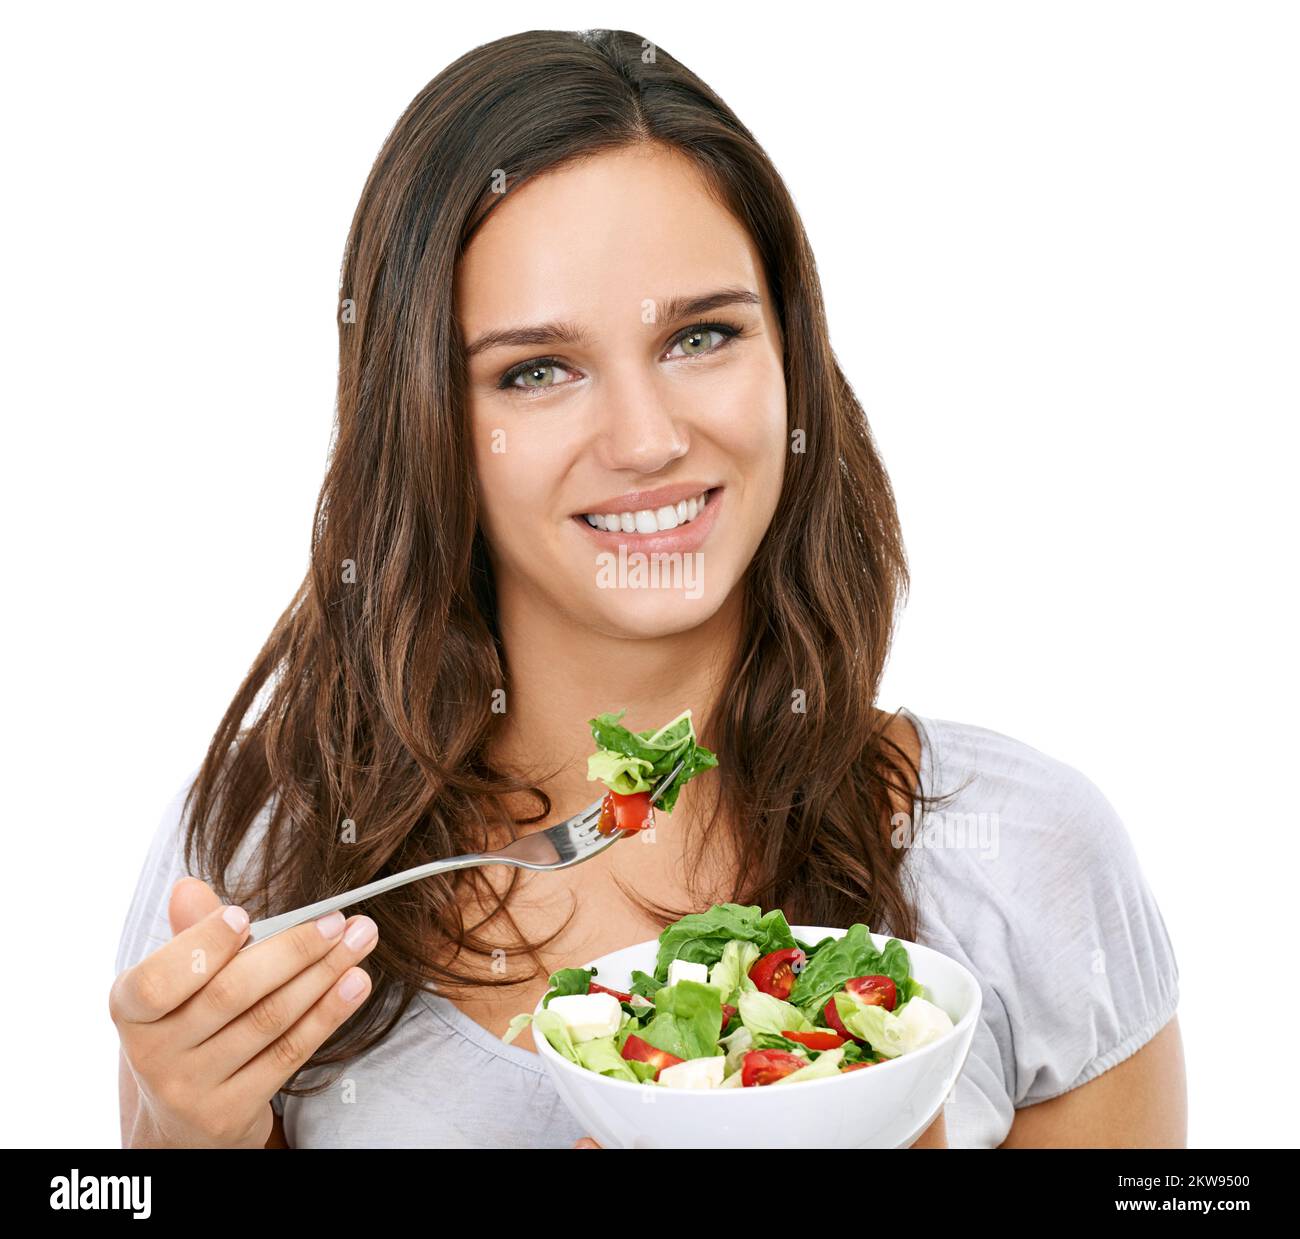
(164, 980)
(278, 1014)
(586, 1143)
(266, 1073)
(255, 973)
(191, 900)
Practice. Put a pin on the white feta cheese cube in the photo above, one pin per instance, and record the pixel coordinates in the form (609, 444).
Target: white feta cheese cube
(695, 1073)
(684, 970)
(588, 1016)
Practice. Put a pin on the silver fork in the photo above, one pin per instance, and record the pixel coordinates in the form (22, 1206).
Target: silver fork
(557, 847)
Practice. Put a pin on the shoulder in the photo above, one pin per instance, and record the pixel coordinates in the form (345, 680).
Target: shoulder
(1046, 812)
(1033, 871)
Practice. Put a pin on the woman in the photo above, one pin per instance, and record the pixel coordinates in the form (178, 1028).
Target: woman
(581, 320)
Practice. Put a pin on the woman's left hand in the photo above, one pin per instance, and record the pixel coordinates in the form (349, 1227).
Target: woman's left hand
(586, 1143)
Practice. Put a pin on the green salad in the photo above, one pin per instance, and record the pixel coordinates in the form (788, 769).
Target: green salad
(736, 1001)
(632, 763)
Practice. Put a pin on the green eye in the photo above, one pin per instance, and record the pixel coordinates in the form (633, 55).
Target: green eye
(540, 373)
(530, 371)
(531, 374)
(695, 341)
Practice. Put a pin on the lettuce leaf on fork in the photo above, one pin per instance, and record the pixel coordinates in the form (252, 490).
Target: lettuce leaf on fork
(628, 762)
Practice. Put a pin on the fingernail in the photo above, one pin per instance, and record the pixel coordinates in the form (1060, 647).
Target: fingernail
(352, 985)
(331, 924)
(236, 918)
(362, 931)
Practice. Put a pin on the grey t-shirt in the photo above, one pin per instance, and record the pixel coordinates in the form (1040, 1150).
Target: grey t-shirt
(1027, 876)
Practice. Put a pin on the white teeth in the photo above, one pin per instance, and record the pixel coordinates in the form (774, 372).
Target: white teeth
(647, 521)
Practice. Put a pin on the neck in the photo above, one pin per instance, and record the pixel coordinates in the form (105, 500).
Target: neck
(562, 675)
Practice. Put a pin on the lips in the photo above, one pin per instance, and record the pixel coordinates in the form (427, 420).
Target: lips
(649, 520)
(641, 500)
(684, 538)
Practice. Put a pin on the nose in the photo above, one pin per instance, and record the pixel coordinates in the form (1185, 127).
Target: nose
(638, 431)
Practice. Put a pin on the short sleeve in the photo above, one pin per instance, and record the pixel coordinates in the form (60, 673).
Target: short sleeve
(147, 927)
(1094, 973)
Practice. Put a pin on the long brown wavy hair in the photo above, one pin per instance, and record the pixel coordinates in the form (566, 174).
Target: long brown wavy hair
(371, 702)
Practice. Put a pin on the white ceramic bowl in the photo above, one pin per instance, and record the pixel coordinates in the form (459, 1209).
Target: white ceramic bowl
(887, 1106)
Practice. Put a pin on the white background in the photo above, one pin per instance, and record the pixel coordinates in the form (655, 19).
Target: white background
(1059, 249)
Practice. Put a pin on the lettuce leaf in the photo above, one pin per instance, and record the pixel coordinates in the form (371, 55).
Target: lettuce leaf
(554, 1029)
(628, 762)
(731, 973)
(702, 937)
(568, 981)
(838, 961)
(517, 1025)
(912, 988)
(876, 1026)
(644, 984)
(620, 773)
(603, 1057)
(687, 1020)
(762, 1013)
(854, 1053)
(812, 950)
(736, 1045)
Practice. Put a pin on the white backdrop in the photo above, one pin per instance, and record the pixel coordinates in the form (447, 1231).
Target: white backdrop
(1059, 248)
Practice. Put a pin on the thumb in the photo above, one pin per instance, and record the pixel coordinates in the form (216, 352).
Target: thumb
(192, 899)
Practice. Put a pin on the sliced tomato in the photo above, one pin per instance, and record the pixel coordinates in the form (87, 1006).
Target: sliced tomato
(775, 973)
(605, 823)
(593, 988)
(767, 1066)
(857, 1066)
(727, 1012)
(873, 991)
(832, 1018)
(816, 1040)
(626, 813)
(638, 1051)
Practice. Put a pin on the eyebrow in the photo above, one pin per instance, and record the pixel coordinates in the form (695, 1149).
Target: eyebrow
(669, 311)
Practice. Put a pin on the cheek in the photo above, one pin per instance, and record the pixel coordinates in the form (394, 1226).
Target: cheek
(749, 424)
(519, 471)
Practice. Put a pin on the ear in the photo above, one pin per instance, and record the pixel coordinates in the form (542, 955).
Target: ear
(192, 899)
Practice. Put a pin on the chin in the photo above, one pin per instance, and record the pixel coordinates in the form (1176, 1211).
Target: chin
(646, 613)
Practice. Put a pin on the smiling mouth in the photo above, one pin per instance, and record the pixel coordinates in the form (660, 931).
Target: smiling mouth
(651, 520)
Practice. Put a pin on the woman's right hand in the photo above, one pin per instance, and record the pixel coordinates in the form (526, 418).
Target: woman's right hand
(211, 1034)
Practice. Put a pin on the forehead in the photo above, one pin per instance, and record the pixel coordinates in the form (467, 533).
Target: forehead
(591, 241)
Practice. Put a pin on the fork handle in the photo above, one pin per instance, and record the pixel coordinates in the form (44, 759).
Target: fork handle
(271, 925)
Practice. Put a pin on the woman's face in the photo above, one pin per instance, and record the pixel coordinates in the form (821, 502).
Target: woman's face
(596, 390)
